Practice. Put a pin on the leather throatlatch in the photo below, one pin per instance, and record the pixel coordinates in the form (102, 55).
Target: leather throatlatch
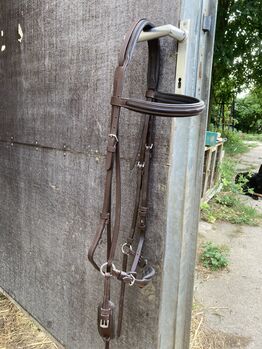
(156, 104)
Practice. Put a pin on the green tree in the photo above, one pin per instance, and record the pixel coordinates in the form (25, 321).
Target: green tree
(237, 54)
(249, 112)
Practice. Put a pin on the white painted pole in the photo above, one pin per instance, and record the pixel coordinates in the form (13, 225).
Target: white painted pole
(163, 30)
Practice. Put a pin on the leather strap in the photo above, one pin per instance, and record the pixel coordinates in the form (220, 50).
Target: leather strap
(156, 104)
(176, 106)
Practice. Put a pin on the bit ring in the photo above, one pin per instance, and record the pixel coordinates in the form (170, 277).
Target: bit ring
(126, 248)
(103, 266)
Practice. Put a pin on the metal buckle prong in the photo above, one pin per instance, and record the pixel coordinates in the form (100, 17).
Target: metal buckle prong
(140, 164)
(149, 147)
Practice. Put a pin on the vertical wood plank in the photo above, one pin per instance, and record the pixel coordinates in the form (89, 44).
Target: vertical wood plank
(208, 170)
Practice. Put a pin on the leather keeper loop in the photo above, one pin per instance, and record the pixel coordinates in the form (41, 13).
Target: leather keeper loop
(116, 101)
(150, 94)
(105, 217)
(111, 145)
(143, 211)
(142, 225)
(130, 240)
(111, 148)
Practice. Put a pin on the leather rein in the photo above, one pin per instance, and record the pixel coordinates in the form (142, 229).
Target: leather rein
(156, 104)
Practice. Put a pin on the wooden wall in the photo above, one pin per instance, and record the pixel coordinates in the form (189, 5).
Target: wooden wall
(56, 83)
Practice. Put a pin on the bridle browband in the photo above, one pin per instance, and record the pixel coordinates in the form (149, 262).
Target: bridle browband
(156, 104)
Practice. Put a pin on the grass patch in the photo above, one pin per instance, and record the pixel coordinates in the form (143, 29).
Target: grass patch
(235, 143)
(227, 205)
(214, 257)
(252, 137)
(208, 213)
(228, 208)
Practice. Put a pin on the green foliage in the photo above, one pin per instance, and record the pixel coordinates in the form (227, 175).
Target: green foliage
(207, 213)
(237, 59)
(237, 54)
(228, 208)
(235, 143)
(226, 199)
(227, 205)
(237, 213)
(253, 137)
(249, 112)
(214, 257)
(227, 172)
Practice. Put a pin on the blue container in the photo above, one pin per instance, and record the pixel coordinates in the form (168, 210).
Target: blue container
(211, 138)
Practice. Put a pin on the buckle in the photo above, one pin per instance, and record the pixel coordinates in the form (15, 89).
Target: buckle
(105, 217)
(114, 136)
(104, 323)
(149, 147)
(140, 164)
(103, 266)
(129, 279)
(142, 211)
(106, 320)
(126, 248)
(133, 280)
(142, 224)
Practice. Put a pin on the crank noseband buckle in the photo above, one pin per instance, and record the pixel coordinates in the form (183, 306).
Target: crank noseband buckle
(129, 279)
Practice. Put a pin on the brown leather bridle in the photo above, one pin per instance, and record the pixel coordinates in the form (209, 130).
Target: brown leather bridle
(156, 104)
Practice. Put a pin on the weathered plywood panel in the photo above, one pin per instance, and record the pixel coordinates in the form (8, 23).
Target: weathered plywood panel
(55, 91)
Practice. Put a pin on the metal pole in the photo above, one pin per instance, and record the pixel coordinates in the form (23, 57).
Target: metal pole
(163, 30)
(185, 178)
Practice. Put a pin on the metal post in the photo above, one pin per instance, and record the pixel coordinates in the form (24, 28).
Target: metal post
(185, 176)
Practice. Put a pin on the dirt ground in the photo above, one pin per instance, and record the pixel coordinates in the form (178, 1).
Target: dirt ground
(231, 300)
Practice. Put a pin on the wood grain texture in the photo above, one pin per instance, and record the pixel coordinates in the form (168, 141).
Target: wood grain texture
(55, 91)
